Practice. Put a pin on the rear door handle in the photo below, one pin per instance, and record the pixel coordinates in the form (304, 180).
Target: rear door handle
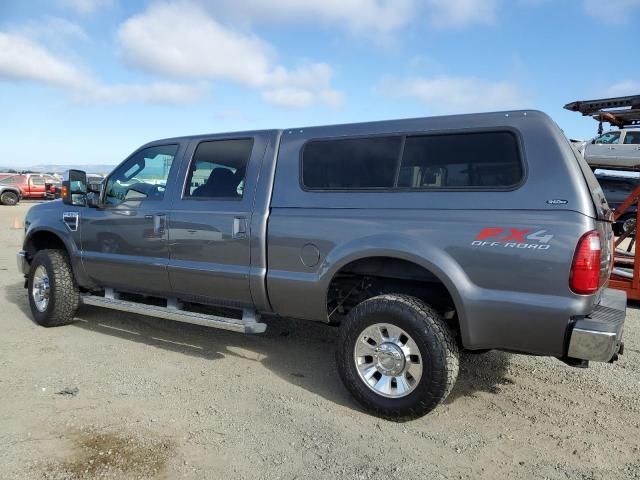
(239, 227)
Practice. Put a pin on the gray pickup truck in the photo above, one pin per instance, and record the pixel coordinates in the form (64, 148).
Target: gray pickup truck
(416, 238)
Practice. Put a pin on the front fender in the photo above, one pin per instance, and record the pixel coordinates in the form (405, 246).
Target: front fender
(49, 221)
(15, 190)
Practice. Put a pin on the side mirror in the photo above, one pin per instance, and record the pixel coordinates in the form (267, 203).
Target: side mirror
(74, 188)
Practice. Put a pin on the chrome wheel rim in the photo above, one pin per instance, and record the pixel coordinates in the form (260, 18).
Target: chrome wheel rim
(388, 360)
(40, 290)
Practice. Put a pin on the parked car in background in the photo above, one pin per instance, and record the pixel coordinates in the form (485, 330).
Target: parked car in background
(31, 185)
(616, 190)
(54, 189)
(615, 149)
(9, 194)
(95, 179)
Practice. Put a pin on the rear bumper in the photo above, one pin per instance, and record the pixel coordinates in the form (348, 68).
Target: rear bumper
(598, 337)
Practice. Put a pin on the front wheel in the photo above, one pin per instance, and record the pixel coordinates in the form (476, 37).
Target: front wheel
(53, 294)
(397, 356)
(9, 198)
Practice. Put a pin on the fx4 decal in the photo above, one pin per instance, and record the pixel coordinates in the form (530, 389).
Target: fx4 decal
(513, 238)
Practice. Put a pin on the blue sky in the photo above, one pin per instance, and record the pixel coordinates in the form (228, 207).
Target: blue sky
(87, 81)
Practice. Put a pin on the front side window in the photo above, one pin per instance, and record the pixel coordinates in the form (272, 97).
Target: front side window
(218, 169)
(143, 177)
(487, 159)
(632, 138)
(351, 164)
(37, 180)
(608, 138)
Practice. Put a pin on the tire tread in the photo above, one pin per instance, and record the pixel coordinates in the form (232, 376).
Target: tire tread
(14, 198)
(65, 297)
(432, 325)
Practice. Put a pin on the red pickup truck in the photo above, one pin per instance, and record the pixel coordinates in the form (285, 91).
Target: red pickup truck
(32, 185)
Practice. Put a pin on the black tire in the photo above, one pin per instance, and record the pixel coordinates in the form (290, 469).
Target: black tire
(433, 338)
(64, 297)
(9, 198)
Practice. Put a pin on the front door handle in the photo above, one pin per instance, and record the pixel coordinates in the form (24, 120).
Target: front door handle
(159, 220)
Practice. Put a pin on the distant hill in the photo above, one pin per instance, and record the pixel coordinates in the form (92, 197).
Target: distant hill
(55, 168)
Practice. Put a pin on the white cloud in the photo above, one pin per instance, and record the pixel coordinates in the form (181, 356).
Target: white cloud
(181, 40)
(623, 88)
(611, 11)
(52, 29)
(299, 98)
(23, 59)
(360, 16)
(86, 6)
(155, 92)
(459, 13)
(446, 94)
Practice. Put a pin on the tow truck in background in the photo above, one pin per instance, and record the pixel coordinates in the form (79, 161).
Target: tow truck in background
(617, 150)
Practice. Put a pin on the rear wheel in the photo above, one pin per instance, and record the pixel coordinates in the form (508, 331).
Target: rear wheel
(9, 198)
(53, 294)
(397, 356)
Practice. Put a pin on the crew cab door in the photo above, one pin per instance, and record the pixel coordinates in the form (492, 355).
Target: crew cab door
(125, 239)
(603, 149)
(37, 186)
(629, 149)
(210, 218)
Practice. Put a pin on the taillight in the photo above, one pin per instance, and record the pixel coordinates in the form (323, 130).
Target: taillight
(585, 269)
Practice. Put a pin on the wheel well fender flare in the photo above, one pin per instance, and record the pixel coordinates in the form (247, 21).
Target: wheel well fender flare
(15, 190)
(428, 257)
(63, 239)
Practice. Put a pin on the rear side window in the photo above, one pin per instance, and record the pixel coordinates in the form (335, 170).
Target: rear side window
(218, 169)
(632, 138)
(355, 163)
(487, 159)
(462, 160)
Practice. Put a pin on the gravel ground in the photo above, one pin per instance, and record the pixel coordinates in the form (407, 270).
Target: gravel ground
(157, 399)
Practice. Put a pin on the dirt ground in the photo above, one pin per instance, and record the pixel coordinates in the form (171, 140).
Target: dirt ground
(158, 399)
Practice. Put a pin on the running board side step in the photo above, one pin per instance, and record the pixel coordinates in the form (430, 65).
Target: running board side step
(248, 324)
